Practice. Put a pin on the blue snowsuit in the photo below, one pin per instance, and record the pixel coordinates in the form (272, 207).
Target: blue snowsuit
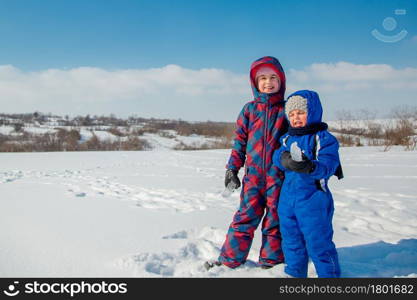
(306, 205)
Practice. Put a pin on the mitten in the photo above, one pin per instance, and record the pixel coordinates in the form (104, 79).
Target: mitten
(305, 166)
(232, 179)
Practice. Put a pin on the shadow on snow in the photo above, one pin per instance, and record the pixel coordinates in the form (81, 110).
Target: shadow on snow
(379, 259)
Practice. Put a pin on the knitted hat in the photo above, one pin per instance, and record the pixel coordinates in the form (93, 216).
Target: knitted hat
(295, 102)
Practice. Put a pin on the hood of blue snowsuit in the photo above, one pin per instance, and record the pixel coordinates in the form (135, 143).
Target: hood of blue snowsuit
(314, 108)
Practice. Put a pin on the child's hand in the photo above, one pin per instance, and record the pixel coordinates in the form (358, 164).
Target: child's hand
(231, 177)
(305, 166)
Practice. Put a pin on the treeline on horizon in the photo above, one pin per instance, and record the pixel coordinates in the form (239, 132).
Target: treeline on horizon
(65, 134)
(361, 128)
(351, 129)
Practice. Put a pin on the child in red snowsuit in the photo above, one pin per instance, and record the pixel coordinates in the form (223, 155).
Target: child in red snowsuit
(260, 125)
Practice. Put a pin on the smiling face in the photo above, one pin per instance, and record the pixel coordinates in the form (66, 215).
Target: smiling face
(298, 118)
(267, 81)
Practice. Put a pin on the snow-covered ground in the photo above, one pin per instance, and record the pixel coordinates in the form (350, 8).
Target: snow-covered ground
(161, 213)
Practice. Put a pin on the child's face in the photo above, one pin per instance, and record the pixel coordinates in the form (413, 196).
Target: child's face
(298, 118)
(268, 81)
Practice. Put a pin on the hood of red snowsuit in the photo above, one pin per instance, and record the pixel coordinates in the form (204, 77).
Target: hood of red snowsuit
(260, 124)
(274, 64)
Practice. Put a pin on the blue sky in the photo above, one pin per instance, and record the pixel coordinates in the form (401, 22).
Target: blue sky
(198, 34)
(228, 35)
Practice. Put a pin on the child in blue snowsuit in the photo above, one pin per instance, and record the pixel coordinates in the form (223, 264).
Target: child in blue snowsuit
(306, 205)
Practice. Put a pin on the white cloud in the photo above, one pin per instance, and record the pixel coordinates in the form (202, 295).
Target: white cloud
(344, 85)
(345, 72)
(171, 91)
(206, 94)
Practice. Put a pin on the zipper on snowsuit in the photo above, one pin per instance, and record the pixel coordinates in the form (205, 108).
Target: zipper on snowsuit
(265, 141)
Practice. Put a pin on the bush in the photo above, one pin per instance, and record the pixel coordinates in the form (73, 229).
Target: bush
(18, 127)
(345, 140)
(209, 129)
(401, 131)
(135, 144)
(115, 131)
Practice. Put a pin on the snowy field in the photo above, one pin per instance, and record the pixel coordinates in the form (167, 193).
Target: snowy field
(161, 214)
